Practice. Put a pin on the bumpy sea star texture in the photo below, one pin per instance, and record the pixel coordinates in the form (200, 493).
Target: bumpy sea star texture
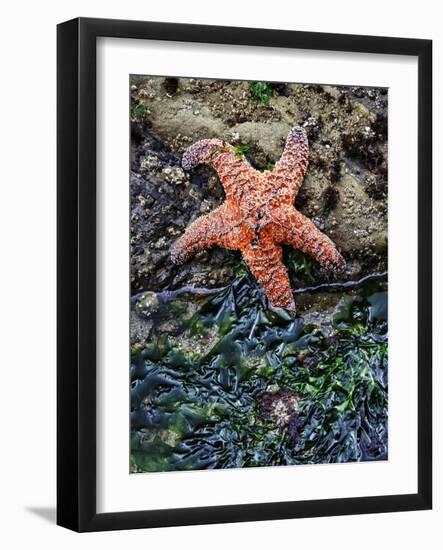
(258, 215)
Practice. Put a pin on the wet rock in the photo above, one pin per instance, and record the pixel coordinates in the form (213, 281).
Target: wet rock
(164, 201)
(360, 226)
(344, 191)
(147, 304)
(167, 315)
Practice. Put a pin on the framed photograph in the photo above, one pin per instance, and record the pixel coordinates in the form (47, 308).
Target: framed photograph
(244, 274)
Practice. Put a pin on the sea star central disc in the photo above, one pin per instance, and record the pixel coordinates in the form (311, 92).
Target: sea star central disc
(258, 215)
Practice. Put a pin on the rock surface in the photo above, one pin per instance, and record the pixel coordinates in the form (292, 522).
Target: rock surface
(344, 191)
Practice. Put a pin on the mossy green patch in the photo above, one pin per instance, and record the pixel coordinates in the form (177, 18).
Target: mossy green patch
(262, 92)
(138, 110)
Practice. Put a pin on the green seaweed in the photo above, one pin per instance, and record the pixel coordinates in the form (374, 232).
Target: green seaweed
(242, 150)
(195, 411)
(301, 264)
(261, 92)
(138, 110)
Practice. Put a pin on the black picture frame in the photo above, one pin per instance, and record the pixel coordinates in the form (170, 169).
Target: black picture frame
(76, 265)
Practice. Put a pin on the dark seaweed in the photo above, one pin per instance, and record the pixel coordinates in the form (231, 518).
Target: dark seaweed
(192, 410)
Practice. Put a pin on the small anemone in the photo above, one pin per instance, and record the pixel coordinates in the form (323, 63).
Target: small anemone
(281, 407)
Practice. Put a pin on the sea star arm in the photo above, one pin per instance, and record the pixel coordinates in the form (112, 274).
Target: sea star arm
(220, 227)
(265, 261)
(234, 171)
(297, 230)
(289, 171)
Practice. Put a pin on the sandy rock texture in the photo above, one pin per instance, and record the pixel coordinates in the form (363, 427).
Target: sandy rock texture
(344, 191)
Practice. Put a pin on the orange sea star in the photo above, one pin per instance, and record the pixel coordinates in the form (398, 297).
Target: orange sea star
(258, 215)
